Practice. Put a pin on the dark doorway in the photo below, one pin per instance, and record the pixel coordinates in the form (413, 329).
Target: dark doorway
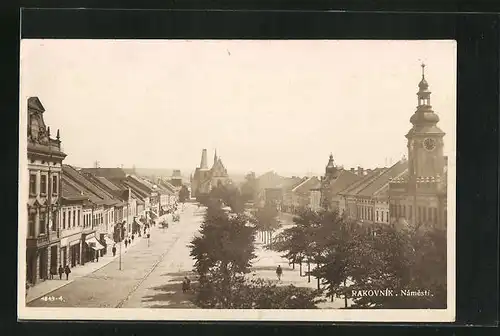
(53, 256)
(30, 267)
(64, 255)
(44, 260)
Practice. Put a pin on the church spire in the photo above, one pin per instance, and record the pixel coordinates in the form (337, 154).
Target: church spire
(215, 156)
(331, 163)
(203, 163)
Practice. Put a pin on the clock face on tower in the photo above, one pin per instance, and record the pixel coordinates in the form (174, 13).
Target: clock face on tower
(429, 144)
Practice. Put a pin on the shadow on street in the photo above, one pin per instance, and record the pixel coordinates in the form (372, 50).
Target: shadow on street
(170, 295)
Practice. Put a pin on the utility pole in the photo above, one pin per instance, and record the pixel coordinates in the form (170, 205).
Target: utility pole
(120, 252)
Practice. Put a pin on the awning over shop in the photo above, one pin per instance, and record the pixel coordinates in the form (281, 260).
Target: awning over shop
(109, 241)
(94, 243)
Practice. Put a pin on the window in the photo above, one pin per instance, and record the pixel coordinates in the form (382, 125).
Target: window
(419, 214)
(424, 214)
(43, 184)
(69, 219)
(33, 184)
(54, 185)
(410, 210)
(42, 222)
(382, 216)
(74, 218)
(405, 215)
(31, 224)
(54, 220)
(434, 216)
(376, 215)
(64, 220)
(78, 217)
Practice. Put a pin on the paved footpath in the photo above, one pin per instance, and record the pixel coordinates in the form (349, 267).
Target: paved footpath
(150, 276)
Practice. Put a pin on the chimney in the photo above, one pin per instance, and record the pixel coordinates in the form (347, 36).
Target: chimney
(352, 171)
(360, 171)
(203, 164)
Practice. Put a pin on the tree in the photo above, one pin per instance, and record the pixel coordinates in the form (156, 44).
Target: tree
(249, 188)
(296, 241)
(265, 294)
(402, 260)
(183, 194)
(222, 252)
(228, 195)
(266, 221)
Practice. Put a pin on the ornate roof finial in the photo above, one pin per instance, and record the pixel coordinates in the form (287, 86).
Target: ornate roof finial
(58, 135)
(48, 131)
(423, 85)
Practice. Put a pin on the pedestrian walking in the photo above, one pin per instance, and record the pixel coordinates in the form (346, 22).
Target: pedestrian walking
(114, 250)
(279, 272)
(126, 243)
(129, 241)
(53, 271)
(186, 284)
(97, 256)
(67, 271)
(132, 237)
(61, 271)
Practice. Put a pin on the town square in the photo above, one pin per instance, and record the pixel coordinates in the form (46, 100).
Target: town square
(260, 184)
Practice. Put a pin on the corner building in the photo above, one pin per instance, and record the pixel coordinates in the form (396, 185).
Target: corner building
(45, 159)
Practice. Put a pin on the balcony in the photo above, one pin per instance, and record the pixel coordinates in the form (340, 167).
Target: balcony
(35, 242)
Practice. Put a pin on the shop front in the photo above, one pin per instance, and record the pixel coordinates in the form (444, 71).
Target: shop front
(94, 248)
(74, 253)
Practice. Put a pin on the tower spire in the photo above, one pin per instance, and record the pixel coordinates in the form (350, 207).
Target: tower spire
(215, 156)
(203, 163)
(423, 70)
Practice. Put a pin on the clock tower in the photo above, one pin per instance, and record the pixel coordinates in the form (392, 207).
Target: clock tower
(425, 139)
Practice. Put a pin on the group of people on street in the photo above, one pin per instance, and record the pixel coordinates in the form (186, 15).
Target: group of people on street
(126, 241)
(61, 270)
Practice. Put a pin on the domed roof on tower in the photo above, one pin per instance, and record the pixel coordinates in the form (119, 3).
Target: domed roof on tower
(331, 169)
(330, 161)
(424, 119)
(423, 85)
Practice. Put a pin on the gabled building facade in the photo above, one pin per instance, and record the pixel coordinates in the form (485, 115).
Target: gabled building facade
(299, 195)
(45, 158)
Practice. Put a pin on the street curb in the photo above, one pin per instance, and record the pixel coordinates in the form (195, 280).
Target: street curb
(52, 290)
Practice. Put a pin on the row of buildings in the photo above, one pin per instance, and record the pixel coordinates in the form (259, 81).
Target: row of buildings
(413, 190)
(73, 212)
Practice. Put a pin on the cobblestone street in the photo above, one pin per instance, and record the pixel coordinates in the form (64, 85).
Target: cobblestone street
(150, 274)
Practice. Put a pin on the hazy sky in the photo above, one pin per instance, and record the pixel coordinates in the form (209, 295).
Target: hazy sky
(264, 105)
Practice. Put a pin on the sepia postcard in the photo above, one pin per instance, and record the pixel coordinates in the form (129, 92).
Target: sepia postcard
(263, 180)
